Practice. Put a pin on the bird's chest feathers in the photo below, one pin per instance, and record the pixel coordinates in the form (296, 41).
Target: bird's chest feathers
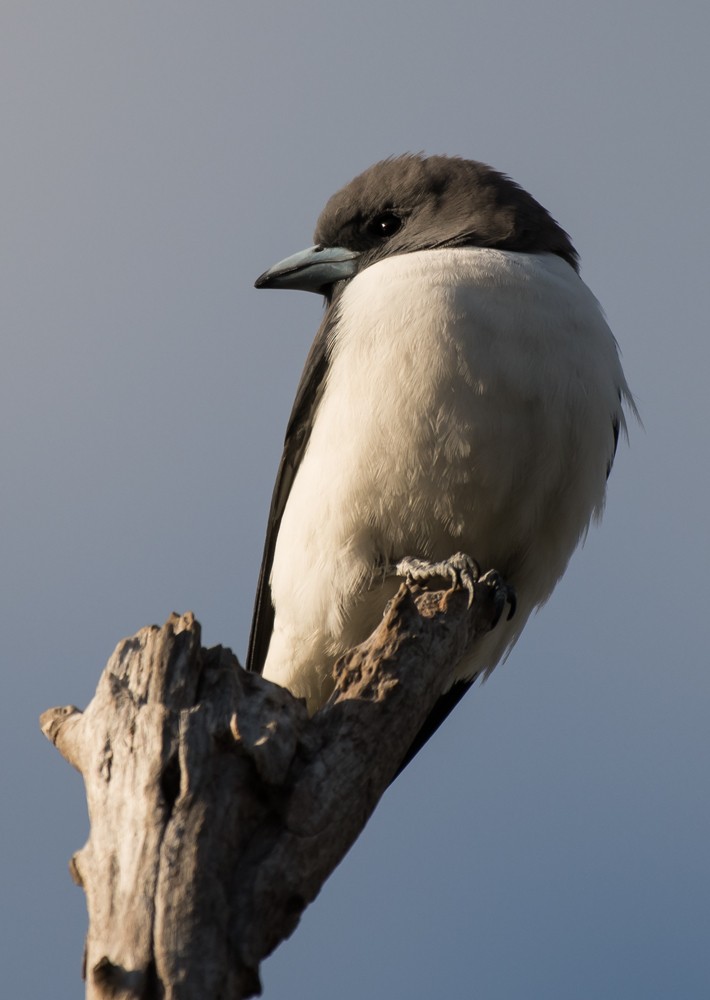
(441, 358)
(449, 377)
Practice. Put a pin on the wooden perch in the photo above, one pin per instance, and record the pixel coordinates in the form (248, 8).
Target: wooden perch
(218, 807)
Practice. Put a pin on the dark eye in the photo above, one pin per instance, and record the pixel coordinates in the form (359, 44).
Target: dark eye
(384, 225)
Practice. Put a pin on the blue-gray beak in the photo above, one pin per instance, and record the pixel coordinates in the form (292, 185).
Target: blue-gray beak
(311, 270)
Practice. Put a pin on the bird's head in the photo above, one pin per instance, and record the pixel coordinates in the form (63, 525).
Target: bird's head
(413, 202)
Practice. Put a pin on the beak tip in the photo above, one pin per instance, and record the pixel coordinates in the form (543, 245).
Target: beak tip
(262, 281)
(310, 270)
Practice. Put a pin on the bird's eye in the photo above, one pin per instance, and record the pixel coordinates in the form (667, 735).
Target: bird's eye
(384, 225)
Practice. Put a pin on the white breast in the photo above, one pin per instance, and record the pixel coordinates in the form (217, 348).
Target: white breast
(468, 406)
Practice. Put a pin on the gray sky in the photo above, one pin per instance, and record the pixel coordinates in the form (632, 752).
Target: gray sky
(552, 840)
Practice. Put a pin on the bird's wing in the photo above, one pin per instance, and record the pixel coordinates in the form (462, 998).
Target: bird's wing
(298, 431)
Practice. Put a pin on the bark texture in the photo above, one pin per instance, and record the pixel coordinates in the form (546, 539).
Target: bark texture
(218, 807)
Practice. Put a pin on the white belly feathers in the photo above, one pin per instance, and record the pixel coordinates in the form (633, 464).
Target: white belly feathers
(468, 406)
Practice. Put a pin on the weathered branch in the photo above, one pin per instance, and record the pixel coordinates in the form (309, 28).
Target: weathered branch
(218, 807)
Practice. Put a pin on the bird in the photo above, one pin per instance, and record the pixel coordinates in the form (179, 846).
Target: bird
(463, 395)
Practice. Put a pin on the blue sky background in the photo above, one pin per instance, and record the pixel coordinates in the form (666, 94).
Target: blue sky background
(552, 840)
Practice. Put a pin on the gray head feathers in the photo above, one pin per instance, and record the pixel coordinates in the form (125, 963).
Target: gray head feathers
(413, 202)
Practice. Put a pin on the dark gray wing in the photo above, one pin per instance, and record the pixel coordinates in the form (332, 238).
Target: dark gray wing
(615, 429)
(298, 431)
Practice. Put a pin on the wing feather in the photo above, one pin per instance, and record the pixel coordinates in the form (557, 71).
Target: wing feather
(298, 431)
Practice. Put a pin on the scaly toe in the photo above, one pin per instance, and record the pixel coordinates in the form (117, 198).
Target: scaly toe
(460, 569)
(504, 594)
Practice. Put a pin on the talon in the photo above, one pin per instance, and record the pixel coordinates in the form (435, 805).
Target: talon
(504, 594)
(460, 569)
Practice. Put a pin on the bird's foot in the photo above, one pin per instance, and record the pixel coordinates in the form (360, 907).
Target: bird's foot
(504, 594)
(463, 572)
(460, 569)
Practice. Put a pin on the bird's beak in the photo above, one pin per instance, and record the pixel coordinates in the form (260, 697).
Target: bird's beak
(311, 270)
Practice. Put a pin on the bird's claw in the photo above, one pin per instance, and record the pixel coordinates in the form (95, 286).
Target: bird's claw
(464, 573)
(504, 594)
(460, 569)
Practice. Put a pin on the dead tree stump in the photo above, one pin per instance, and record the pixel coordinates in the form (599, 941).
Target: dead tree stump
(218, 807)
